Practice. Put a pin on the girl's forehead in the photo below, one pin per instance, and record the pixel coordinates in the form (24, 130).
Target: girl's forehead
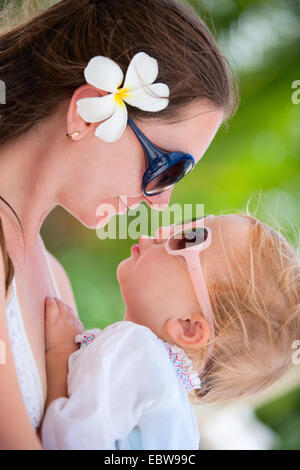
(230, 235)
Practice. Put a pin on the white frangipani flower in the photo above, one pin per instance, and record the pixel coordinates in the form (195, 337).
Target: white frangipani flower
(105, 74)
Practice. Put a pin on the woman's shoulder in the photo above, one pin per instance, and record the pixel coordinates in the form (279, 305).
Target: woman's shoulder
(15, 428)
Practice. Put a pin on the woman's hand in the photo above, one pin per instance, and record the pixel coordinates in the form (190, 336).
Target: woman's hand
(62, 326)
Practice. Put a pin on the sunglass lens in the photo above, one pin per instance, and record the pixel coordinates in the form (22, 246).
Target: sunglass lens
(188, 238)
(168, 178)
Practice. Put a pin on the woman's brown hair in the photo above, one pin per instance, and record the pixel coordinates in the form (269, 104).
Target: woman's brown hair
(42, 59)
(8, 266)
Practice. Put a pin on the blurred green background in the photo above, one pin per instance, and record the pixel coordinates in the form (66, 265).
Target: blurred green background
(258, 153)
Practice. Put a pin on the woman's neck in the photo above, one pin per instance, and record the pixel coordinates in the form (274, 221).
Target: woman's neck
(28, 182)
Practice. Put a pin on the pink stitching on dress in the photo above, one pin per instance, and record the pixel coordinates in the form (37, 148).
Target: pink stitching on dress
(86, 340)
(181, 371)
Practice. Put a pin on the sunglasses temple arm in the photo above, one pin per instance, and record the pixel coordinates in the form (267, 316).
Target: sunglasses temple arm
(199, 284)
(204, 301)
(153, 152)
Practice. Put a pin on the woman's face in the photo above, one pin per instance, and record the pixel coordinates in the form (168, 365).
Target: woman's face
(103, 173)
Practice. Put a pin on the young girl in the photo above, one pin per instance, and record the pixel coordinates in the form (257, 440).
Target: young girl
(212, 312)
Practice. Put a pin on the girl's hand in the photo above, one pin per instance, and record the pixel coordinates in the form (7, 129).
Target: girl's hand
(61, 326)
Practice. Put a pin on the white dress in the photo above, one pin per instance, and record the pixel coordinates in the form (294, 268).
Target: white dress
(27, 371)
(128, 389)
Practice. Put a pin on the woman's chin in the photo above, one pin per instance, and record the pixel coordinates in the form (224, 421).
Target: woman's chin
(104, 220)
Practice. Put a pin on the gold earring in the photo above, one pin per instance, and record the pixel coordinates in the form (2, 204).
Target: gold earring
(73, 135)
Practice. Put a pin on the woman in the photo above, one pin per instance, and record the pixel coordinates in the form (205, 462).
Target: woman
(42, 63)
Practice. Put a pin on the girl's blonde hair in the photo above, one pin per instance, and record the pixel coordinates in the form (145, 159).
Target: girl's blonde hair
(257, 319)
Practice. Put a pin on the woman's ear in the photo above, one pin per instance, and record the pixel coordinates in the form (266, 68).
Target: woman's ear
(192, 331)
(74, 121)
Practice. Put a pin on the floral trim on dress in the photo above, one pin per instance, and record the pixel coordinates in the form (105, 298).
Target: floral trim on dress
(87, 337)
(183, 367)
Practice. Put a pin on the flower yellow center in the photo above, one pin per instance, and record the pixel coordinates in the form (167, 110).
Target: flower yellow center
(120, 95)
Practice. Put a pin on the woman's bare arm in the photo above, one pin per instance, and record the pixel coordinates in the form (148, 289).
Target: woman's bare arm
(16, 431)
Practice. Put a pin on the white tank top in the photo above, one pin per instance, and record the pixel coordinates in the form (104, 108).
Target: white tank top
(27, 371)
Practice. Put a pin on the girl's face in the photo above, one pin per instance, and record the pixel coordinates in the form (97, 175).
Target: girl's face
(157, 286)
(101, 173)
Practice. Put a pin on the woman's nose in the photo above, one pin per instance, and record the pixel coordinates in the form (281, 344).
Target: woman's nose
(160, 201)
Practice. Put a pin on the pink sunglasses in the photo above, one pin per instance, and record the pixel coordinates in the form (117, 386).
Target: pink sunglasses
(189, 240)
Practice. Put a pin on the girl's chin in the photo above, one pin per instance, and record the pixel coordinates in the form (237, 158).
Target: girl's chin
(123, 270)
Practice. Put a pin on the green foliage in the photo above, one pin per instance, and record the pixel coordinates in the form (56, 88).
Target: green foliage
(283, 416)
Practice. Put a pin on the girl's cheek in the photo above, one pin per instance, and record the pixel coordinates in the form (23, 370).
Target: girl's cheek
(154, 268)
